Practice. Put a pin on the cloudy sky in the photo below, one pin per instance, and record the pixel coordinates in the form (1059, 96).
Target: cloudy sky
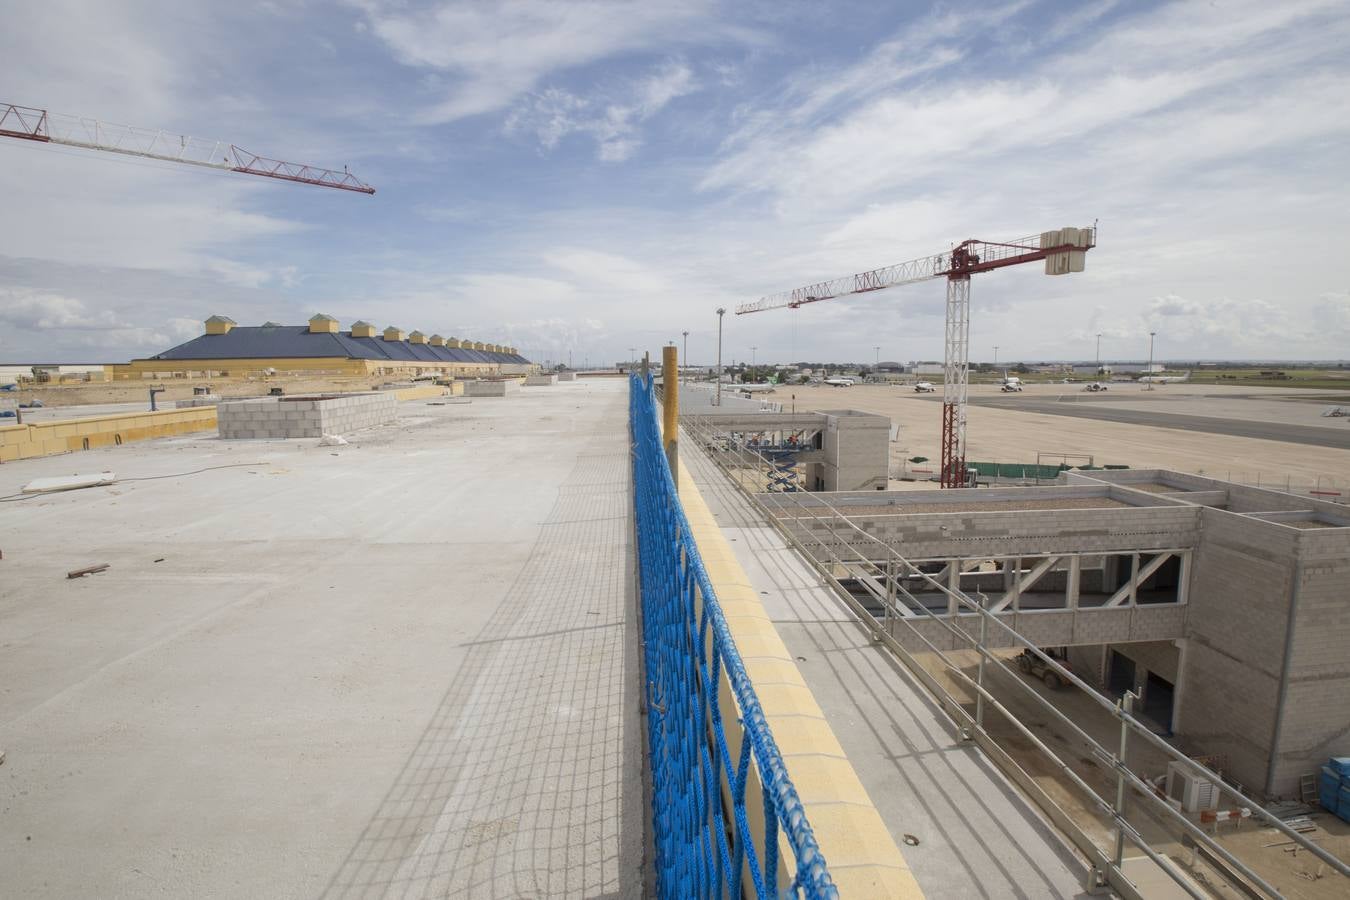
(591, 176)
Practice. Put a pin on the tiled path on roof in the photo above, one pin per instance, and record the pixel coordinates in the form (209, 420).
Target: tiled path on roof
(399, 668)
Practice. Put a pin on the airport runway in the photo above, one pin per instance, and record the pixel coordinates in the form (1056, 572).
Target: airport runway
(1313, 435)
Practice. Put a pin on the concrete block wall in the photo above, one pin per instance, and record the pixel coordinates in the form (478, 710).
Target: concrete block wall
(198, 400)
(305, 417)
(1242, 579)
(501, 388)
(1052, 628)
(567, 376)
(1028, 532)
(1315, 720)
(857, 451)
(540, 380)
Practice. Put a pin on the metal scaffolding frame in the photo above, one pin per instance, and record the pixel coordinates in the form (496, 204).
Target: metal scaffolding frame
(1105, 866)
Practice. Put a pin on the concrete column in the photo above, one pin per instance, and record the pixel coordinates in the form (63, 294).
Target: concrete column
(1134, 579)
(953, 582)
(1179, 686)
(1071, 586)
(1183, 585)
(1017, 585)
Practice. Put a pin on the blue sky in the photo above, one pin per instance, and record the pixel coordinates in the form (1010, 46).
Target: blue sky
(594, 176)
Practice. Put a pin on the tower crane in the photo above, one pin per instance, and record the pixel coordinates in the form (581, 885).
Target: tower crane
(28, 124)
(1063, 252)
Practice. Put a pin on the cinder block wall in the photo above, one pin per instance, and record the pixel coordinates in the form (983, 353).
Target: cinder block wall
(1315, 721)
(857, 451)
(1236, 627)
(278, 417)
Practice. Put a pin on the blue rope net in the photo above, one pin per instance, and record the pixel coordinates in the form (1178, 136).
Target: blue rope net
(705, 844)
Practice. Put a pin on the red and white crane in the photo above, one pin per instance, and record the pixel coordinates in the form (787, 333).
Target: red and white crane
(29, 124)
(1063, 252)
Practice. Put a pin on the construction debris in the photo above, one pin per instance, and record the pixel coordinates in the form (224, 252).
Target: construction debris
(68, 483)
(88, 570)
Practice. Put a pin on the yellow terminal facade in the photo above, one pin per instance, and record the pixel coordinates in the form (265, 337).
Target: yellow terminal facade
(320, 349)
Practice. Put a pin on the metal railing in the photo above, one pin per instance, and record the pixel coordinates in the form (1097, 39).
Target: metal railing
(704, 839)
(887, 566)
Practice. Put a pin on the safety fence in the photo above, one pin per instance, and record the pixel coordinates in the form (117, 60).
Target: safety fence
(707, 839)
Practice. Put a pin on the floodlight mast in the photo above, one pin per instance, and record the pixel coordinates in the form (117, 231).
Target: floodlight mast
(29, 124)
(1063, 252)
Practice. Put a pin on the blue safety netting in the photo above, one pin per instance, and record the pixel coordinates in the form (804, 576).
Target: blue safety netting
(705, 843)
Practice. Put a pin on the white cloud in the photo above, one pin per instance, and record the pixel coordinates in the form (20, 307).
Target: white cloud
(492, 52)
(38, 311)
(613, 121)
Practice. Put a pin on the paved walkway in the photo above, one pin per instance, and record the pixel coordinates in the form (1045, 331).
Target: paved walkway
(978, 837)
(406, 667)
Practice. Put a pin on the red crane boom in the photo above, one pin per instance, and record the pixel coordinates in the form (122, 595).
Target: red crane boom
(30, 124)
(1063, 251)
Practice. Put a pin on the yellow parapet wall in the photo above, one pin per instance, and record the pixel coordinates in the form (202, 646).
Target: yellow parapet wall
(422, 391)
(66, 435)
(863, 859)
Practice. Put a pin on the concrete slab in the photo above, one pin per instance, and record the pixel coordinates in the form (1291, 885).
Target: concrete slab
(400, 667)
(978, 836)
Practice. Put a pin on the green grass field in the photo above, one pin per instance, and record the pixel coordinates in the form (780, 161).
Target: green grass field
(1331, 379)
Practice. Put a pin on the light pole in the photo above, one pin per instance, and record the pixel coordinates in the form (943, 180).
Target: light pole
(1099, 353)
(685, 357)
(1149, 374)
(752, 358)
(878, 360)
(720, 312)
(632, 358)
(996, 356)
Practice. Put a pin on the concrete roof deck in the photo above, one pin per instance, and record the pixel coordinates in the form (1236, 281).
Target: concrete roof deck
(403, 666)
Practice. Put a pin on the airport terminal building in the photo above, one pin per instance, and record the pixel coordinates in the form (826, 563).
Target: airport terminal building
(321, 349)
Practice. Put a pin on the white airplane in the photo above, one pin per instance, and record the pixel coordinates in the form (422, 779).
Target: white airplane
(1011, 382)
(839, 382)
(1095, 387)
(1165, 379)
(924, 387)
(761, 388)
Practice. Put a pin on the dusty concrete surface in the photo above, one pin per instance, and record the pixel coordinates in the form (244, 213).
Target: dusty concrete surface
(404, 667)
(978, 837)
(1000, 432)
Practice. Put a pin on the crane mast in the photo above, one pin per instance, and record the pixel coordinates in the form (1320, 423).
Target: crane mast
(1063, 252)
(31, 124)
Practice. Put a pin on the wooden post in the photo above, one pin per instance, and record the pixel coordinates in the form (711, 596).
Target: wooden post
(670, 406)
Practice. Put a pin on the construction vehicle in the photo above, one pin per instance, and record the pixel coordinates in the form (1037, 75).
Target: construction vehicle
(1029, 663)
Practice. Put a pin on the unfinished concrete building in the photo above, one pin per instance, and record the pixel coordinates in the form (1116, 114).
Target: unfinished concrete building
(1223, 606)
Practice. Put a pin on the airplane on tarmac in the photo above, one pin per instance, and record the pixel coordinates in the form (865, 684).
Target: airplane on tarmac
(761, 388)
(839, 382)
(924, 387)
(1011, 383)
(1165, 379)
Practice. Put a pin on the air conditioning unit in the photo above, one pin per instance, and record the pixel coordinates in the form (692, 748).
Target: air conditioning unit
(1192, 791)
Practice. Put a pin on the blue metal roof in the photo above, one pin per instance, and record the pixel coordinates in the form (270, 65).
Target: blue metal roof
(298, 342)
